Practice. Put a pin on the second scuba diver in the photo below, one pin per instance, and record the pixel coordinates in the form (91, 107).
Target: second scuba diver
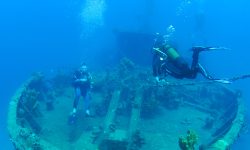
(82, 85)
(167, 61)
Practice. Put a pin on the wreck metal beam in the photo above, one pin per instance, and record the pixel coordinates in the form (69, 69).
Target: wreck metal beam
(135, 118)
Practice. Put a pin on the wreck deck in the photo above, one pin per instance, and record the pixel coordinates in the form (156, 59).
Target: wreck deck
(128, 114)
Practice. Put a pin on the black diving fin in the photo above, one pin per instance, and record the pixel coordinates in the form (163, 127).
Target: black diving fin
(208, 48)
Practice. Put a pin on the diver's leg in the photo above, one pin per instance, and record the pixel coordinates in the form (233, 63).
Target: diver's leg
(155, 69)
(195, 56)
(77, 98)
(184, 70)
(155, 65)
(190, 73)
(204, 72)
(196, 67)
(85, 92)
(196, 51)
(87, 99)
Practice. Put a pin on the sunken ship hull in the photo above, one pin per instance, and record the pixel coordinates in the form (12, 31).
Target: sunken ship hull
(129, 111)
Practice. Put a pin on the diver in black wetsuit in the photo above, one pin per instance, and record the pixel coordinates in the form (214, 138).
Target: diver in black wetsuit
(82, 84)
(167, 61)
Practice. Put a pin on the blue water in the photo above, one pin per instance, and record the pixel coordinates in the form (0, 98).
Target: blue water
(45, 35)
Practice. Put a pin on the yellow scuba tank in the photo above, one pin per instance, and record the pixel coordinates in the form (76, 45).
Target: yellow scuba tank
(171, 52)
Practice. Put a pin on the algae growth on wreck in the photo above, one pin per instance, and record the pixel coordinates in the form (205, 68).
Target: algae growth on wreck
(129, 112)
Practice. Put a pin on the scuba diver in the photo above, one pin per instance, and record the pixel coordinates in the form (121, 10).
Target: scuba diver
(167, 61)
(82, 84)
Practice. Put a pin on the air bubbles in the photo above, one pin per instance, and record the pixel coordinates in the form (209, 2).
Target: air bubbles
(183, 7)
(169, 34)
(92, 16)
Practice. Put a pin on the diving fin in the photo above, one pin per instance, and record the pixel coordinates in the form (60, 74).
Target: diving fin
(218, 48)
(224, 81)
(231, 80)
(209, 48)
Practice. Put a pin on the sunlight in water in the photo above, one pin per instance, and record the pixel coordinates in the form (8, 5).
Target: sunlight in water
(92, 16)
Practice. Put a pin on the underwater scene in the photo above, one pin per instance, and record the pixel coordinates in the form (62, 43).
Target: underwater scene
(124, 75)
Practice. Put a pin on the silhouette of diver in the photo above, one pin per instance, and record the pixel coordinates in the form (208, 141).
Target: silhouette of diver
(167, 61)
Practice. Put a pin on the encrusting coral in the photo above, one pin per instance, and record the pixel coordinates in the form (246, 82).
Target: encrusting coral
(188, 142)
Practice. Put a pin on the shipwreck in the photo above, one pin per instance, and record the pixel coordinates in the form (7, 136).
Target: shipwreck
(129, 112)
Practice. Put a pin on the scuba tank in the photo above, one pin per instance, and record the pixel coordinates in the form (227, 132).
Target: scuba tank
(171, 52)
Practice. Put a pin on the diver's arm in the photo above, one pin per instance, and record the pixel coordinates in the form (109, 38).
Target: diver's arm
(75, 78)
(78, 80)
(81, 80)
(157, 51)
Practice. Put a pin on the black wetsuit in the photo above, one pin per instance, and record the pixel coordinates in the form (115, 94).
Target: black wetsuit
(177, 67)
(82, 88)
